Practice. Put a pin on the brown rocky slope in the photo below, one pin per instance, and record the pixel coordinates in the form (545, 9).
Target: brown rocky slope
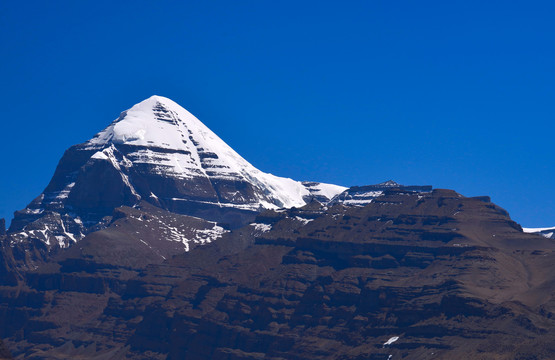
(409, 276)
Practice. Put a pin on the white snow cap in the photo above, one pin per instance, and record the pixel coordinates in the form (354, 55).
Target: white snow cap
(548, 232)
(141, 125)
(535, 230)
(160, 123)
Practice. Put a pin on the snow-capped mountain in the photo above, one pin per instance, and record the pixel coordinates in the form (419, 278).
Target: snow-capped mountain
(159, 153)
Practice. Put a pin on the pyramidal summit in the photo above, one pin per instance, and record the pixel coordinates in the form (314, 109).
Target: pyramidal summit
(158, 153)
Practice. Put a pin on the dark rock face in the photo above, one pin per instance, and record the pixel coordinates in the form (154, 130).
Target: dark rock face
(407, 276)
(98, 188)
(8, 273)
(4, 352)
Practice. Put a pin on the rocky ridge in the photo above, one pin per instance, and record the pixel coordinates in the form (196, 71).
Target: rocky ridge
(408, 276)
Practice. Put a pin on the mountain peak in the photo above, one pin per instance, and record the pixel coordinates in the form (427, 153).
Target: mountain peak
(157, 101)
(389, 183)
(160, 99)
(160, 153)
(154, 122)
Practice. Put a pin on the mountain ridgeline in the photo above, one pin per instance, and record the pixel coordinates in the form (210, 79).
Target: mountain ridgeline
(156, 240)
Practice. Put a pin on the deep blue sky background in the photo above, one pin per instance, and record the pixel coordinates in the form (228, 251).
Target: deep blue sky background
(456, 94)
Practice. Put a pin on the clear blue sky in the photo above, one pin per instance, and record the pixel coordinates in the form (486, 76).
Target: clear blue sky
(456, 94)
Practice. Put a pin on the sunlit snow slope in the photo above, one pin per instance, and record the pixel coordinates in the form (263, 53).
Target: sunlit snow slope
(545, 232)
(176, 144)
